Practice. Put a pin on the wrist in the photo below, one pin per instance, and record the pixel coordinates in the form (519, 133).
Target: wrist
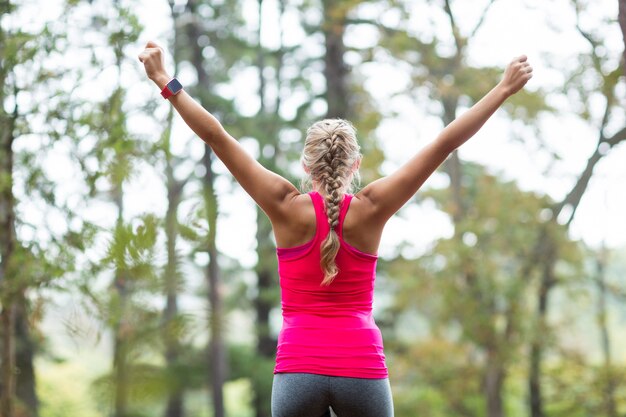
(504, 91)
(161, 80)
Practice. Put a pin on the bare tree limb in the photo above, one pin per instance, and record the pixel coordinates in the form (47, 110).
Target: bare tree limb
(458, 40)
(482, 19)
(575, 195)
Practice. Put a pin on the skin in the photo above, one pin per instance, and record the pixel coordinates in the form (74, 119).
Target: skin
(291, 213)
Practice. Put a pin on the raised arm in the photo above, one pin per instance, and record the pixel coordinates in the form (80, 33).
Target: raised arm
(387, 195)
(269, 190)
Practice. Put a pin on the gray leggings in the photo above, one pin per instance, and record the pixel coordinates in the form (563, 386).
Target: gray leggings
(309, 395)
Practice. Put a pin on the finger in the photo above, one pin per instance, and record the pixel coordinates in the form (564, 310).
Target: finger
(143, 56)
(152, 44)
(521, 58)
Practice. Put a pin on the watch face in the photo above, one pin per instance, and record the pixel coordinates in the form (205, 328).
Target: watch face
(174, 86)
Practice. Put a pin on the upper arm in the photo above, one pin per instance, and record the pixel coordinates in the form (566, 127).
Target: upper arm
(269, 190)
(388, 194)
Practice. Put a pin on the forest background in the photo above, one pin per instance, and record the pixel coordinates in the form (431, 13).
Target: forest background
(137, 279)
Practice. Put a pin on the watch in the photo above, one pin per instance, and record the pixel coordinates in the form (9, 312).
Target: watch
(171, 88)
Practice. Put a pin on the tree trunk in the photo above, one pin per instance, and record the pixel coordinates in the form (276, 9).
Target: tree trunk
(336, 70)
(263, 305)
(8, 243)
(175, 399)
(7, 403)
(534, 377)
(534, 380)
(24, 358)
(217, 352)
(174, 407)
(535, 388)
(622, 24)
(17, 349)
(493, 383)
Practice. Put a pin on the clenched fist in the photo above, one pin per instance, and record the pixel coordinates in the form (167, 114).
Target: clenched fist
(153, 61)
(516, 75)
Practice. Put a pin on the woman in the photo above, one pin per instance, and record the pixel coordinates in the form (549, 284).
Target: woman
(330, 351)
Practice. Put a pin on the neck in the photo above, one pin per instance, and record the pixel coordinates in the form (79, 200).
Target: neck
(321, 190)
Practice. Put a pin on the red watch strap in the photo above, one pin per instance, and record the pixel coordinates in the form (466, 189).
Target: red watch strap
(166, 92)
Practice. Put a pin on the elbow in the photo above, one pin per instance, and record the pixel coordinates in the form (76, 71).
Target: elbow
(213, 136)
(445, 146)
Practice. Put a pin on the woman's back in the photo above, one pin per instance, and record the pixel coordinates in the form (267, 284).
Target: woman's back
(328, 330)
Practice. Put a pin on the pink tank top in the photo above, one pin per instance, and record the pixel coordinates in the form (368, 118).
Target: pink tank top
(328, 330)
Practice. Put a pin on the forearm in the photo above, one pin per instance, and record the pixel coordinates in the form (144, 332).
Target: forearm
(203, 123)
(466, 125)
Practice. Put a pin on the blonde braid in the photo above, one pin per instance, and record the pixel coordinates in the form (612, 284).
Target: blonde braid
(330, 152)
(333, 185)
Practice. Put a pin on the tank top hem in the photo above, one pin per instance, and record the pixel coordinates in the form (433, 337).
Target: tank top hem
(347, 373)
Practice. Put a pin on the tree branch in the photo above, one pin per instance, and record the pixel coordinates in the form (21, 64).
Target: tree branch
(575, 195)
(455, 29)
(482, 19)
